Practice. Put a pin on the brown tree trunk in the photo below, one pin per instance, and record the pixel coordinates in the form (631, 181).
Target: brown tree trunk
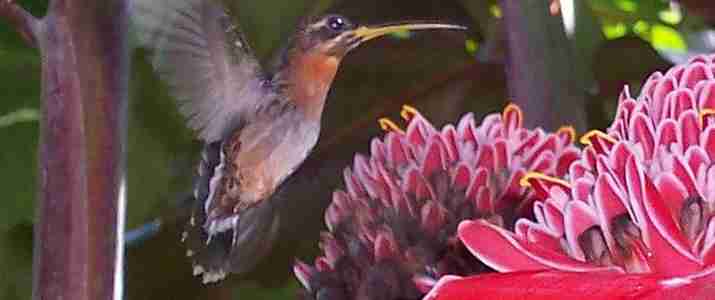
(78, 234)
(541, 71)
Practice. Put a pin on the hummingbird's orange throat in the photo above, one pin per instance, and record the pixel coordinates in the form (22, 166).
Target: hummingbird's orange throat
(309, 81)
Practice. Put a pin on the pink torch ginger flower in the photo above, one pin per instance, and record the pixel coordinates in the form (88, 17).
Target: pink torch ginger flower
(641, 199)
(392, 232)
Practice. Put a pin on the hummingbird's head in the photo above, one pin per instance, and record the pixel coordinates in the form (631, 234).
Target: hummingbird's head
(311, 62)
(335, 35)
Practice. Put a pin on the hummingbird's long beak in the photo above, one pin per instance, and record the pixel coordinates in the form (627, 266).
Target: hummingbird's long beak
(366, 33)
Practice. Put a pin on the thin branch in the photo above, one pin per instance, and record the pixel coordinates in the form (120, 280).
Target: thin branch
(25, 23)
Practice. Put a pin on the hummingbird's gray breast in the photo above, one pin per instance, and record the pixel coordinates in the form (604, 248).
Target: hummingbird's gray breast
(255, 160)
(234, 219)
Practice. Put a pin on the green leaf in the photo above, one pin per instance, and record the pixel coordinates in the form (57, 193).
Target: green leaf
(614, 31)
(627, 5)
(667, 38)
(472, 46)
(19, 116)
(671, 16)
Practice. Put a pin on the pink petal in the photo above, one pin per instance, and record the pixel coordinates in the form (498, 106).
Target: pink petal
(514, 191)
(462, 177)
(706, 95)
(501, 155)
(625, 94)
(542, 184)
(673, 192)
(385, 247)
(707, 141)
(578, 218)
(303, 272)
(492, 126)
(418, 186)
(543, 163)
(689, 132)
(496, 247)
(565, 160)
(377, 149)
(502, 251)
(610, 202)
(566, 135)
(682, 100)
(433, 217)
(642, 131)
(695, 73)
(396, 154)
(553, 217)
(466, 130)
(449, 136)
(355, 189)
(635, 178)
(415, 132)
(484, 202)
(708, 250)
(544, 238)
(648, 88)
(581, 189)
(666, 85)
(669, 246)
(513, 118)
(434, 160)
(619, 155)
(479, 180)
(696, 157)
(485, 158)
(625, 112)
(599, 141)
(546, 145)
(685, 175)
(555, 285)
(667, 132)
(527, 143)
(676, 72)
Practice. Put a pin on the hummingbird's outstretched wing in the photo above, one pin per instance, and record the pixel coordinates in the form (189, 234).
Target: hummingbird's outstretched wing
(199, 51)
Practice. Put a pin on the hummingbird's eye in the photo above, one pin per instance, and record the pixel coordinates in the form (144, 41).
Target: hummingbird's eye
(337, 23)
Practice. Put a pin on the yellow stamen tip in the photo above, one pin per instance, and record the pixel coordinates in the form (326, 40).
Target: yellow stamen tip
(569, 130)
(704, 113)
(513, 108)
(525, 180)
(389, 126)
(408, 112)
(586, 138)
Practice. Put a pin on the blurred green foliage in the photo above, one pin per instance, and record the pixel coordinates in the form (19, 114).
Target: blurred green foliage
(162, 153)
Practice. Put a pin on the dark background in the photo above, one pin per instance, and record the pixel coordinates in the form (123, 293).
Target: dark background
(443, 74)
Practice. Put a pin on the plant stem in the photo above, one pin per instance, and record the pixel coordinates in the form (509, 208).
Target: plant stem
(541, 69)
(78, 233)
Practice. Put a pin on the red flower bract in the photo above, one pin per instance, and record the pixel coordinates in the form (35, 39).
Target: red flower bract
(392, 233)
(641, 199)
(551, 285)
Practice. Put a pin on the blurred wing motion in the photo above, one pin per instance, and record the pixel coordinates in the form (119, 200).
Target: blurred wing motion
(199, 51)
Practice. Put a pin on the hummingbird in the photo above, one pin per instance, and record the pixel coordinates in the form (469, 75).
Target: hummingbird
(257, 125)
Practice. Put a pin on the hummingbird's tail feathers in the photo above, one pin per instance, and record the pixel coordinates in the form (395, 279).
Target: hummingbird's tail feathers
(230, 244)
(235, 250)
(199, 51)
